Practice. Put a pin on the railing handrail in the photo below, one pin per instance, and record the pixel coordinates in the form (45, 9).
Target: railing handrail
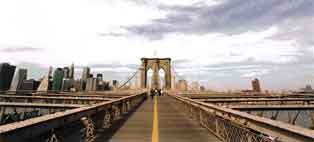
(38, 120)
(55, 97)
(244, 93)
(15, 104)
(256, 99)
(35, 92)
(303, 132)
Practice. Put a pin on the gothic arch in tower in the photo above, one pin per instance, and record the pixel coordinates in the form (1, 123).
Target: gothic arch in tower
(156, 64)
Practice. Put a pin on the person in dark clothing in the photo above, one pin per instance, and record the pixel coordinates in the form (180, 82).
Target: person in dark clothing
(152, 93)
(159, 92)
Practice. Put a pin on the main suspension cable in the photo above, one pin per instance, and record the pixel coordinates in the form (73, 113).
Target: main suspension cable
(129, 79)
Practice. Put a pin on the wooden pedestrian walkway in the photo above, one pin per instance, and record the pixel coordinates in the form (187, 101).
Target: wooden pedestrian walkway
(171, 126)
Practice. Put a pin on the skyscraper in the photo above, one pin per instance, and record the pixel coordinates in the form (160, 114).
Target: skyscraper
(67, 84)
(57, 79)
(46, 83)
(49, 83)
(100, 82)
(71, 72)
(85, 76)
(66, 72)
(50, 71)
(99, 77)
(6, 75)
(28, 86)
(115, 84)
(106, 85)
(91, 84)
(256, 86)
(18, 79)
(183, 85)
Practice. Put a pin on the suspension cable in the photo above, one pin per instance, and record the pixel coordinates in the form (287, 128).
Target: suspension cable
(129, 79)
(175, 73)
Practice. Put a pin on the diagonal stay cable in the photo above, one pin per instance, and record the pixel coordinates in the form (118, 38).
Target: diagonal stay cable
(133, 75)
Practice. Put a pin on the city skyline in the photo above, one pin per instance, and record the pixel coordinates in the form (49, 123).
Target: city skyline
(213, 41)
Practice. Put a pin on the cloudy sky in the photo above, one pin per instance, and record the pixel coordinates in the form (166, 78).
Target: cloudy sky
(222, 43)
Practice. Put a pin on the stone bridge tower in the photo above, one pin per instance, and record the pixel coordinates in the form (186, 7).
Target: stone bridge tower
(156, 64)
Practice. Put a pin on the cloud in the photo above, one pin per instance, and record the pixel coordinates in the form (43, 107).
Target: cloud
(111, 65)
(225, 42)
(229, 16)
(300, 29)
(255, 73)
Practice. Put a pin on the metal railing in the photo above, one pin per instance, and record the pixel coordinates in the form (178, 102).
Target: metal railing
(100, 115)
(52, 99)
(259, 101)
(235, 126)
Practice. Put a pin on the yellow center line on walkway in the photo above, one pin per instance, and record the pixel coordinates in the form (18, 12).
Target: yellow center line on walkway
(155, 134)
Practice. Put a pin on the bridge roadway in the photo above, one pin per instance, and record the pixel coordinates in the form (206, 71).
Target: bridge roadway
(171, 125)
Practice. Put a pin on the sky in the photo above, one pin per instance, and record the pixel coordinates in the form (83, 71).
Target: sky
(224, 44)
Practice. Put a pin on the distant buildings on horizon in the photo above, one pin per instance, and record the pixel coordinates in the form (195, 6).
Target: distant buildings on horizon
(61, 79)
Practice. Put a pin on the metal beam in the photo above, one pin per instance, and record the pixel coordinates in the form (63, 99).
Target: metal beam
(36, 126)
(39, 105)
(260, 101)
(203, 95)
(52, 100)
(111, 96)
(272, 107)
(243, 121)
(101, 94)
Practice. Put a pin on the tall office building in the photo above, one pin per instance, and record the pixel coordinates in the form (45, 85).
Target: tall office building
(256, 85)
(66, 72)
(85, 74)
(18, 79)
(28, 86)
(100, 82)
(6, 75)
(77, 85)
(91, 84)
(94, 88)
(67, 84)
(46, 83)
(49, 83)
(50, 72)
(68, 78)
(71, 71)
(57, 79)
(115, 84)
(99, 76)
(183, 85)
(106, 85)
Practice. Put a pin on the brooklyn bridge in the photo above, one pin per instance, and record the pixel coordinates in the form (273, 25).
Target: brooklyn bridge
(138, 114)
